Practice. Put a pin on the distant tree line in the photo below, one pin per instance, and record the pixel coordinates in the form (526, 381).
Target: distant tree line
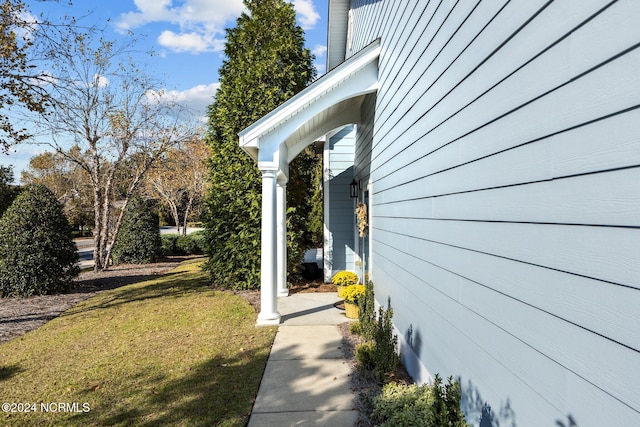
(113, 135)
(106, 121)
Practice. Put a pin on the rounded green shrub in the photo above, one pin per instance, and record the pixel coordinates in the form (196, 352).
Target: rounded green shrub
(37, 253)
(175, 244)
(138, 241)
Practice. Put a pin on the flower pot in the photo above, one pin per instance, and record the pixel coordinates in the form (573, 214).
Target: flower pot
(341, 289)
(351, 310)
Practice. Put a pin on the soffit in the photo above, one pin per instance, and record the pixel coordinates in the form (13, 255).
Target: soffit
(317, 106)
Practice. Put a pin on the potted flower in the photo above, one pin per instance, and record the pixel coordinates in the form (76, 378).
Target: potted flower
(342, 279)
(351, 296)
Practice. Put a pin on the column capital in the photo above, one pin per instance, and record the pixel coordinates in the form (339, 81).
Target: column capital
(268, 167)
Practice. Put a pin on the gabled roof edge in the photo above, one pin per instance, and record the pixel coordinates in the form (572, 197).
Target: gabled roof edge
(249, 136)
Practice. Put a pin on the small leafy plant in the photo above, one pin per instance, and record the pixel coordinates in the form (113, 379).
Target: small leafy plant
(386, 355)
(379, 352)
(419, 405)
(363, 222)
(367, 312)
(365, 355)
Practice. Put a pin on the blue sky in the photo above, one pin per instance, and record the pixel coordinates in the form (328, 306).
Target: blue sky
(187, 37)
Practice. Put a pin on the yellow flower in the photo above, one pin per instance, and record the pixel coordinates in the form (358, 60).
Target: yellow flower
(344, 278)
(353, 293)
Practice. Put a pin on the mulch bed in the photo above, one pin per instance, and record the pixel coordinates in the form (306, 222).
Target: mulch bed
(298, 285)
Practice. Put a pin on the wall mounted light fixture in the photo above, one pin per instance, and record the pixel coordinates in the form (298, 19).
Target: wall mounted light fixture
(353, 189)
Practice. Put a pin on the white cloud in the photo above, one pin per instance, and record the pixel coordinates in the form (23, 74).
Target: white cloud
(185, 42)
(321, 68)
(101, 81)
(198, 21)
(307, 13)
(44, 78)
(148, 11)
(28, 25)
(319, 50)
(197, 98)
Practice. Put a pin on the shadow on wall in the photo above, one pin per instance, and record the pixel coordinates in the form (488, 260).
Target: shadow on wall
(569, 422)
(479, 411)
(414, 340)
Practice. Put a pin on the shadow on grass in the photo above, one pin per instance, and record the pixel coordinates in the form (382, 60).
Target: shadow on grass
(220, 391)
(172, 284)
(139, 273)
(7, 372)
(108, 283)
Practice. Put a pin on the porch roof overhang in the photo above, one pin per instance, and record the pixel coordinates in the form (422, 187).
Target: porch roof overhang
(332, 101)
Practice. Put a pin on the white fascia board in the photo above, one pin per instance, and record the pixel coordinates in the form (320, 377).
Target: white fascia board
(249, 137)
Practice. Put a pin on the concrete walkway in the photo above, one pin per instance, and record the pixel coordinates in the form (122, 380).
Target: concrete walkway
(306, 381)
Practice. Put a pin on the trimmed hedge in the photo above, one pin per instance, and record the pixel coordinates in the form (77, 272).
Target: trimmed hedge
(37, 253)
(138, 241)
(176, 244)
(169, 244)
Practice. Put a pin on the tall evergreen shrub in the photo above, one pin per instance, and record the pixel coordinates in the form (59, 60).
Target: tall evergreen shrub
(266, 64)
(37, 253)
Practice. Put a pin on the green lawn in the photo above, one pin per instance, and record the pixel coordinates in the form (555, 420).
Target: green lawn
(168, 351)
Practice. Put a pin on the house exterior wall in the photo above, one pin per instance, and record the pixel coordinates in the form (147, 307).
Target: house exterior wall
(339, 252)
(503, 148)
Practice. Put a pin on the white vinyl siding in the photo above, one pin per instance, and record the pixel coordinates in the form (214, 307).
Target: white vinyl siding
(504, 150)
(340, 253)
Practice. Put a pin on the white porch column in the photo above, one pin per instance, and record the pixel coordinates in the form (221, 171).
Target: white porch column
(268, 307)
(281, 240)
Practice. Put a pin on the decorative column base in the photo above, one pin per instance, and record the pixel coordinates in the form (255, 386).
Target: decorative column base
(268, 321)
